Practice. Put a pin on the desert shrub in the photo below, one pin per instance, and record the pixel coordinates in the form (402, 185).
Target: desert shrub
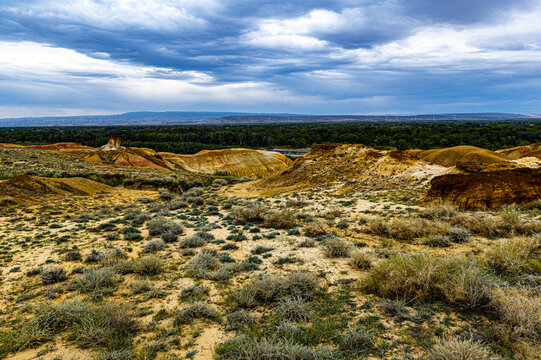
(132, 236)
(229, 246)
(439, 240)
(201, 266)
(283, 219)
(196, 310)
(519, 312)
(73, 255)
(137, 217)
(510, 214)
(242, 348)
(255, 214)
(357, 341)
(219, 182)
(226, 271)
(142, 286)
(270, 289)
(194, 292)
(239, 320)
(53, 275)
(504, 224)
(169, 237)
(99, 281)
(343, 224)
(149, 265)
(110, 326)
(122, 354)
(111, 257)
(153, 246)
(261, 249)
(165, 195)
(361, 260)
(176, 204)
(458, 234)
(195, 191)
(425, 277)
(315, 229)
(160, 225)
(393, 307)
(309, 243)
(207, 266)
(512, 256)
(378, 227)
(293, 308)
(337, 247)
(407, 229)
(459, 349)
(439, 210)
(196, 240)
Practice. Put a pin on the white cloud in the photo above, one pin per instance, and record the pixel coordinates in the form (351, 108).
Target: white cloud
(119, 14)
(299, 33)
(493, 47)
(52, 75)
(30, 60)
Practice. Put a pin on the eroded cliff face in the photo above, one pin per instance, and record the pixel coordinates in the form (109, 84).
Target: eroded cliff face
(488, 190)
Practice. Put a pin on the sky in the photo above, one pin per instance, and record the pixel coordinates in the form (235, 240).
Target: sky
(73, 57)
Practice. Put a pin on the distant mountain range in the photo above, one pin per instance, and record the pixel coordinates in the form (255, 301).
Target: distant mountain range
(231, 118)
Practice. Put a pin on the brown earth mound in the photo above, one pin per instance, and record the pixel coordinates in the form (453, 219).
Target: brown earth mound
(27, 187)
(488, 190)
(345, 167)
(470, 158)
(239, 162)
(533, 150)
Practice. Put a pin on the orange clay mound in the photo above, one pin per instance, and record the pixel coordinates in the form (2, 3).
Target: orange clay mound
(463, 157)
(28, 187)
(488, 190)
(344, 167)
(533, 150)
(239, 162)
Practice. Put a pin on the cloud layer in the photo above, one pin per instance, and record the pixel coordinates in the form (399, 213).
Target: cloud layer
(364, 56)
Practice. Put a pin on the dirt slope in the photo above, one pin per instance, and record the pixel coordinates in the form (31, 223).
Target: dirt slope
(239, 162)
(58, 146)
(26, 187)
(488, 190)
(345, 167)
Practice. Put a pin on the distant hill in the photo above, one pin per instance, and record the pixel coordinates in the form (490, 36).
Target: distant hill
(232, 118)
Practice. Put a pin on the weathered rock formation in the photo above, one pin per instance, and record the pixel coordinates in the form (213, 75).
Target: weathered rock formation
(488, 190)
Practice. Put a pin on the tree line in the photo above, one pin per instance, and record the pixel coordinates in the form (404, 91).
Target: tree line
(387, 135)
